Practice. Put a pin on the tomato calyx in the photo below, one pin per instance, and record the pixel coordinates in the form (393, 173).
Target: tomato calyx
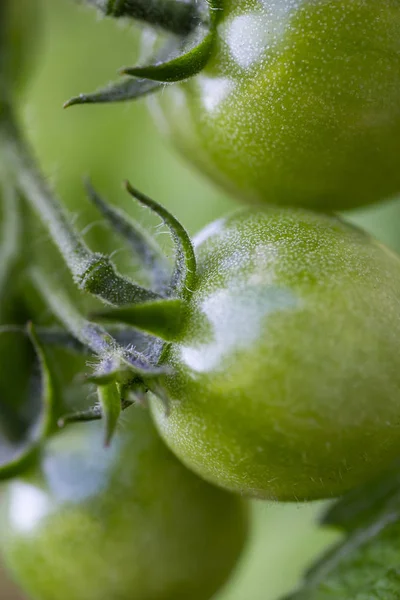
(122, 373)
(182, 56)
(140, 322)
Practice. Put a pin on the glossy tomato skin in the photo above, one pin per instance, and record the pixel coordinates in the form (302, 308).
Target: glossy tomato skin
(300, 103)
(128, 522)
(286, 381)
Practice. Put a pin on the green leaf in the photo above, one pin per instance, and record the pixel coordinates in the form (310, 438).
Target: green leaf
(366, 565)
(366, 504)
(14, 457)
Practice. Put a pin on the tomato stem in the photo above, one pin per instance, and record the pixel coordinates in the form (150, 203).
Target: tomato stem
(93, 272)
(177, 16)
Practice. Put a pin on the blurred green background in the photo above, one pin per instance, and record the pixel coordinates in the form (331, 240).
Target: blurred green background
(78, 53)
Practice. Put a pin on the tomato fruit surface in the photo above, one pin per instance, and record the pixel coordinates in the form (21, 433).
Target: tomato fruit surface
(299, 103)
(127, 522)
(285, 382)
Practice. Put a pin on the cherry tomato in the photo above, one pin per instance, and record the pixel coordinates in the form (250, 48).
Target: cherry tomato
(127, 522)
(299, 103)
(285, 380)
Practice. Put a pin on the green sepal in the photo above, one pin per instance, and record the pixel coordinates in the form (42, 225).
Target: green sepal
(184, 274)
(184, 61)
(59, 338)
(128, 89)
(114, 361)
(180, 58)
(144, 247)
(46, 421)
(120, 366)
(102, 281)
(120, 91)
(110, 403)
(163, 318)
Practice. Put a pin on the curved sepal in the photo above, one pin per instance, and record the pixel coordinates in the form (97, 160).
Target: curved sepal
(163, 318)
(145, 249)
(120, 364)
(128, 89)
(127, 337)
(14, 459)
(102, 280)
(180, 58)
(114, 362)
(110, 404)
(185, 60)
(120, 91)
(184, 273)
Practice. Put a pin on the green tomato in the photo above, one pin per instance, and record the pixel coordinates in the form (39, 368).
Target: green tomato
(126, 522)
(285, 380)
(299, 103)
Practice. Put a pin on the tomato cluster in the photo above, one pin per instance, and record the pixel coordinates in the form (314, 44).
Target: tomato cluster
(266, 356)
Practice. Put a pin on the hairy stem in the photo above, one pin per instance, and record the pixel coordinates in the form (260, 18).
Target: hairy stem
(92, 272)
(176, 16)
(76, 254)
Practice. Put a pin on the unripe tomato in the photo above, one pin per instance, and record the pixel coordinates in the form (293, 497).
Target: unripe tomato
(127, 522)
(285, 381)
(299, 103)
